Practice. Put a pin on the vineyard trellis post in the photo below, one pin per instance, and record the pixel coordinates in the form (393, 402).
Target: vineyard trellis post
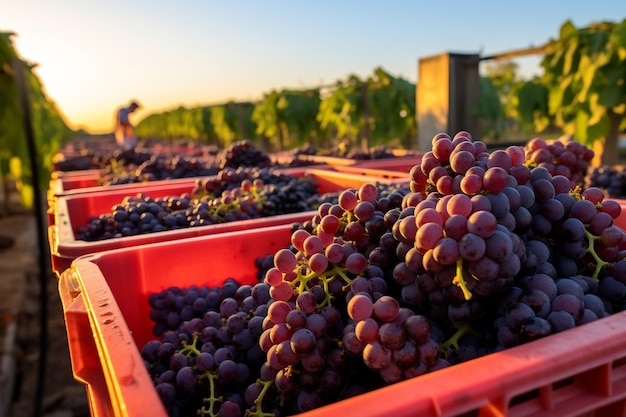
(447, 92)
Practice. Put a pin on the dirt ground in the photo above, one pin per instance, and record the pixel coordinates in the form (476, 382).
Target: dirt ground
(20, 330)
(63, 396)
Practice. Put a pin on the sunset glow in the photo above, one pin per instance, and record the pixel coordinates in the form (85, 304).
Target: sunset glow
(94, 58)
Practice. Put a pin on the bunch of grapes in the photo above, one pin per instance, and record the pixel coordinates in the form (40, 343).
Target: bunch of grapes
(248, 199)
(568, 158)
(160, 167)
(121, 159)
(491, 220)
(207, 352)
(243, 154)
(609, 178)
(484, 251)
(334, 283)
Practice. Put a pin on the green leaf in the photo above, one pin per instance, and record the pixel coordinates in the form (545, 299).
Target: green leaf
(581, 124)
(597, 111)
(571, 57)
(618, 35)
(598, 130)
(567, 30)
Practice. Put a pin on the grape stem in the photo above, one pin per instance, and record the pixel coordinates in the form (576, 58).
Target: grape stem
(302, 281)
(453, 341)
(591, 249)
(189, 349)
(258, 402)
(212, 400)
(459, 280)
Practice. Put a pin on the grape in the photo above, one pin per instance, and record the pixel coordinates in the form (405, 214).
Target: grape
(186, 378)
(446, 251)
(166, 392)
(318, 263)
(366, 330)
(281, 292)
(482, 223)
(427, 215)
(360, 307)
(461, 161)
(471, 184)
(459, 204)
(495, 179)
(428, 235)
(455, 227)
(472, 247)
(538, 301)
(561, 320)
(442, 149)
(356, 263)
(308, 400)
(584, 210)
(386, 308)
(376, 356)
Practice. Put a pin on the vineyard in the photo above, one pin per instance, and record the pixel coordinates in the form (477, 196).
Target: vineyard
(581, 93)
(300, 255)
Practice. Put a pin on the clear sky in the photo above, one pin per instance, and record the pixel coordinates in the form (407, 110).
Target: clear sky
(94, 56)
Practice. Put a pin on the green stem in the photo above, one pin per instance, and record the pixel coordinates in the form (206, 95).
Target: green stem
(189, 349)
(337, 270)
(258, 402)
(591, 249)
(303, 281)
(212, 400)
(460, 281)
(327, 298)
(453, 341)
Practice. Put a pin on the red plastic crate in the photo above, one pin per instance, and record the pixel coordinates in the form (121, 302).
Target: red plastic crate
(372, 172)
(75, 210)
(578, 372)
(61, 182)
(401, 164)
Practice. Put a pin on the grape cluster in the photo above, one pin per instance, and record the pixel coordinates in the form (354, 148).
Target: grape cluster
(484, 251)
(560, 157)
(121, 159)
(243, 154)
(540, 305)
(206, 353)
(334, 281)
(285, 193)
(489, 222)
(161, 167)
(608, 178)
(232, 200)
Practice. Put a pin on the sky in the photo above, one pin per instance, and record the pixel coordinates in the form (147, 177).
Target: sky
(94, 56)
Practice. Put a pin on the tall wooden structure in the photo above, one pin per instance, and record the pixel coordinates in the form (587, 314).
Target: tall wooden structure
(447, 94)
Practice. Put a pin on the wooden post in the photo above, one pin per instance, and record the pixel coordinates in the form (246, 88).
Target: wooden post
(447, 94)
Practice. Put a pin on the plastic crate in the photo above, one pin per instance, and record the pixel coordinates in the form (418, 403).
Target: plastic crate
(71, 183)
(62, 182)
(73, 211)
(401, 164)
(372, 172)
(578, 372)
(330, 160)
